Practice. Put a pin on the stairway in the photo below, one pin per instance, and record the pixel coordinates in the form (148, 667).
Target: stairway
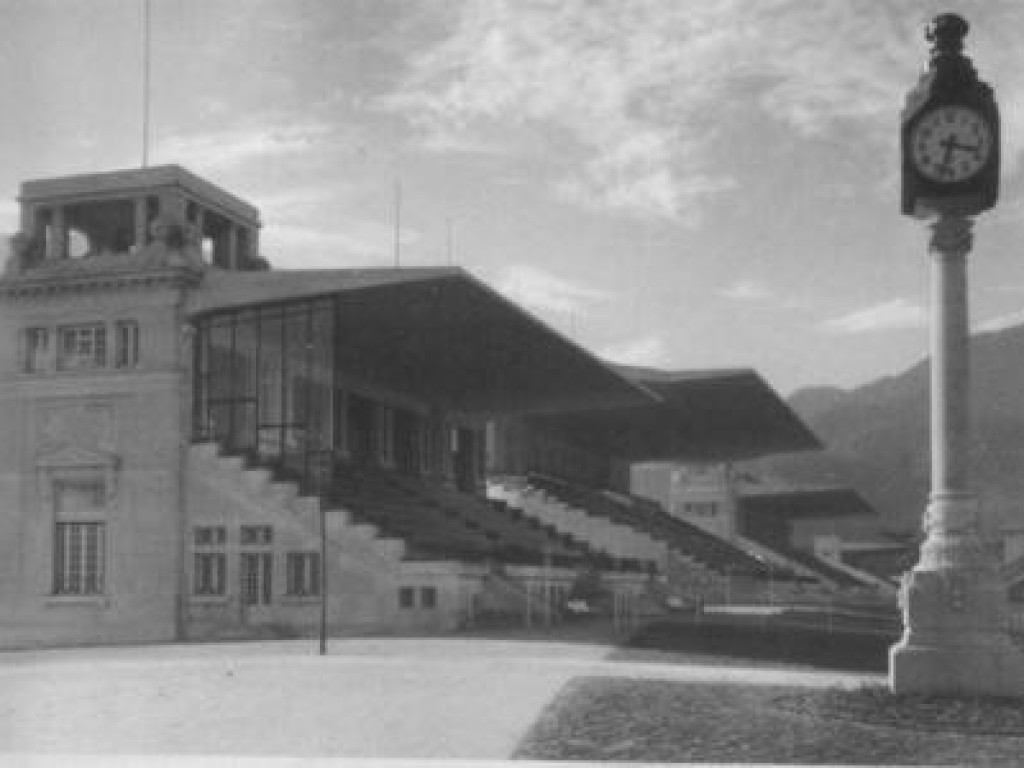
(615, 540)
(362, 565)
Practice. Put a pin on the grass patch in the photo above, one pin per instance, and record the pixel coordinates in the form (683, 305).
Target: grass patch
(601, 719)
(876, 705)
(776, 642)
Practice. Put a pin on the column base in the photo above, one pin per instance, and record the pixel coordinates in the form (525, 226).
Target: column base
(961, 670)
(955, 614)
(953, 644)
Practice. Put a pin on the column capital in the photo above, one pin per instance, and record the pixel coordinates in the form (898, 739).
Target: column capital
(952, 236)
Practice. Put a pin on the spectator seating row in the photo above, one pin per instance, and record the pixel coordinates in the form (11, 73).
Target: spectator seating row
(436, 522)
(888, 564)
(648, 516)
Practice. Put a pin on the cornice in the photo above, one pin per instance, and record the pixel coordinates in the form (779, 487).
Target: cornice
(30, 286)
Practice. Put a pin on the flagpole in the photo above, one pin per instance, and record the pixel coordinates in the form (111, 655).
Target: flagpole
(145, 81)
(398, 223)
(449, 242)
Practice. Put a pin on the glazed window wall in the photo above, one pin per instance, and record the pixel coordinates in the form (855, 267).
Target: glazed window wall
(264, 383)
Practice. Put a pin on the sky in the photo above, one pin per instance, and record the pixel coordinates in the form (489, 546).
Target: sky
(676, 183)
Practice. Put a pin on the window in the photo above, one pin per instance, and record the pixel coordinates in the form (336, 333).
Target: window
(126, 351)
(208, 573)
(256, 567)
(428, 597)
(209, 561)
(257, 535)
(37, 348)
(406, 597)
(79, 536)
(303, 573)
(208, 535)
(701, 508)
(256, 572)
(78, 559)
(81, 347)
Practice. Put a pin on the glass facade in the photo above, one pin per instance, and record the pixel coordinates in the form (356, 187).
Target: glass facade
(266, 387)
(264, 382)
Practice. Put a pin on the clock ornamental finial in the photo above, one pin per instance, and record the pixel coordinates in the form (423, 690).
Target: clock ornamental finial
(946, 33)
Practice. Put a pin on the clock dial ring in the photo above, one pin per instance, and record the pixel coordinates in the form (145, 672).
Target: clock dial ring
(950, 144)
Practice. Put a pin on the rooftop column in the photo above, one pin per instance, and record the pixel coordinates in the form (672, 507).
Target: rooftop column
(57, 244)
(141, 222)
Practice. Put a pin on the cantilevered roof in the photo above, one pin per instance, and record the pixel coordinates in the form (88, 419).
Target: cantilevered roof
(735, 404)
(438, 334)
(442, 335)
(223, 289)
(695, 416)
(805, 502)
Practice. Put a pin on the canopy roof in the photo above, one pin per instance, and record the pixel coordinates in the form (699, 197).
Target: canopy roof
(805, 502)
(441, 334)
(715, 415)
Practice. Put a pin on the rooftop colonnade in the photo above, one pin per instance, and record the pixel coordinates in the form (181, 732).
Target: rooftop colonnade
(123, 211)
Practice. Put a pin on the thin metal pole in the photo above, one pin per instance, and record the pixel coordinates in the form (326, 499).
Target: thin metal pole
(450, 242)
(323, 577)
(334, 402)
(146, 39)
(398, 223)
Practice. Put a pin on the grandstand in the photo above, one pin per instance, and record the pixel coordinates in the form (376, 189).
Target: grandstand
(207, 448)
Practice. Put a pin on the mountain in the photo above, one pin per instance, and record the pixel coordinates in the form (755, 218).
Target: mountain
(811, 401)
(876, 436)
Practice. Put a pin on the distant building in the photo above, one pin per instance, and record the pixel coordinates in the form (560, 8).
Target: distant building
(700, 493)
(730, 503)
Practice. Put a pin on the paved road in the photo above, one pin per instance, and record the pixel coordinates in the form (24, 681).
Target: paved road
(457, 697)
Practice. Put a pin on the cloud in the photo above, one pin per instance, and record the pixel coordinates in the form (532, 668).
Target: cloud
(645, 351)
(232, 146)
(745, 290)
(542, 291)
(637, 92)
(1000, 322)
(889, 315)
(302, 203)
(10, 216)
(351, 243)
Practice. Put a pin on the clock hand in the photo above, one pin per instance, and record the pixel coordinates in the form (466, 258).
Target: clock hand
(949, 144)
(975, 148)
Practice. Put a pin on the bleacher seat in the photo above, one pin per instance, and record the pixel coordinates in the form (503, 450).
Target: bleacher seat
(649, 517)
(437, 522)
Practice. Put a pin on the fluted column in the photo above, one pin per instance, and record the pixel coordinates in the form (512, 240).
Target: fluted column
(951, 512)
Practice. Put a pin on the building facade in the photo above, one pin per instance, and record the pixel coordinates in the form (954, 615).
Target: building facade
(189, 438)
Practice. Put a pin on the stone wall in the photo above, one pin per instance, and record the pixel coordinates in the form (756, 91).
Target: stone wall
(87, 447)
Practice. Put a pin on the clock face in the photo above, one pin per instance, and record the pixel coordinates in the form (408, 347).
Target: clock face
(950, 144)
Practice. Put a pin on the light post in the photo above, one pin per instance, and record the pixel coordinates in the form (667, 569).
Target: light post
(955, 637)
(323, 577)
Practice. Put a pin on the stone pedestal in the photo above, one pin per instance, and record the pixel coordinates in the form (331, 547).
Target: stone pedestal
(954, 601)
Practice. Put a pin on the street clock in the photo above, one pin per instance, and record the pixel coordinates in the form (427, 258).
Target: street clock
(949, 136)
